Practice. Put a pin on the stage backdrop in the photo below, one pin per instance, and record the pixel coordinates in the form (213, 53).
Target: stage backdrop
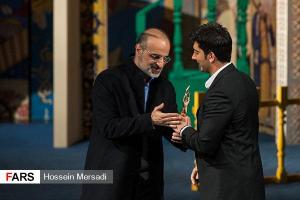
(26, 63)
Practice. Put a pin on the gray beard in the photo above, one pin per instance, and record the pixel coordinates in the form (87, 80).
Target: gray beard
(148, 71)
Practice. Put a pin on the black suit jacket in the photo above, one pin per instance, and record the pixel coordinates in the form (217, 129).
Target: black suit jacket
(226, 140)
(123, 135)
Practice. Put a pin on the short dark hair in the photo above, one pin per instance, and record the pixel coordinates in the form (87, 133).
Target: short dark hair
(213, 37)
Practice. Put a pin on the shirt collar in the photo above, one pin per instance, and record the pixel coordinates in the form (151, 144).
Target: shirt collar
(148, 81)
(212, 78)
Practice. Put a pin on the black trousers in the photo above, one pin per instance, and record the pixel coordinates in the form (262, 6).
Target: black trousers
(146, 189)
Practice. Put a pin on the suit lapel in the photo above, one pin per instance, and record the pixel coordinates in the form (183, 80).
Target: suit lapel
(136, 83)
(131, 97)
(227, 69)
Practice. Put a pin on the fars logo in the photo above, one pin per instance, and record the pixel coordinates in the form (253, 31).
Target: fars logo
(19, 176)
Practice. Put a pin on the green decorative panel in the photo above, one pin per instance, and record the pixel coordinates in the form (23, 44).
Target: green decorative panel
(242, 63)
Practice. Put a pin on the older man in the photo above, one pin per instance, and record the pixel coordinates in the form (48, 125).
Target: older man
(133, 107)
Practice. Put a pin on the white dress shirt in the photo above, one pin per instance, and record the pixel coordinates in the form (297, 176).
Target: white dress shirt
(212, 78)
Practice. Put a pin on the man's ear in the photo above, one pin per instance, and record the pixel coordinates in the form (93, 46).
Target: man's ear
(138, 49)
(211, 57)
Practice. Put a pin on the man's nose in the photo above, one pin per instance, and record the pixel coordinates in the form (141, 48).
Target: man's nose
(160, 62)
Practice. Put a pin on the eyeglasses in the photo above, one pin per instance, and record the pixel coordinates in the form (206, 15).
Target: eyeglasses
(157, 57)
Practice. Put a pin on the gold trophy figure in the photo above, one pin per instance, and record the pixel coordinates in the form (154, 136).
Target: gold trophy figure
(185, 101)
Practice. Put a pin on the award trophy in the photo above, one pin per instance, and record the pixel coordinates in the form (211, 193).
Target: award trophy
(185, 101)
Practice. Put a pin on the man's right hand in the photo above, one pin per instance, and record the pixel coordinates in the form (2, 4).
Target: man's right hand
(165, 119)
(184, 122)
(194, 176)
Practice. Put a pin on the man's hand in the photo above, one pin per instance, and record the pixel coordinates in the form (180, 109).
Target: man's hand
(194, 176)
(165, 119)
(176, 138)
(184, 122)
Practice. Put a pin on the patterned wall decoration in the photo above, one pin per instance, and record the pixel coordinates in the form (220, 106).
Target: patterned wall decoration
(26, 60)
(14, 60)
(262, 49)
(41, 83)
(100, 36)
(226, 15)
(293, 117)
(89, 53)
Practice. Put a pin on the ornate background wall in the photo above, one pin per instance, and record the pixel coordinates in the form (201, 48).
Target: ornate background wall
(262, 49)
(293, 117)
(14, 60)
(41, 66)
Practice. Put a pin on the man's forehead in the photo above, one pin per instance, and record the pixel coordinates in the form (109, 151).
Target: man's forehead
(151, 39)
(157, 42)
(159, 46)
(196, 46)
(156, 39)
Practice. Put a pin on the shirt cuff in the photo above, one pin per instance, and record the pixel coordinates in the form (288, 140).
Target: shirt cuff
(184, 129)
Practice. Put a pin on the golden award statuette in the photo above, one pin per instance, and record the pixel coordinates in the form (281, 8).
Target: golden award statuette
(185, 101)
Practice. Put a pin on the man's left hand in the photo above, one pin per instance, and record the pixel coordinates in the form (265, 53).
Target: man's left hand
(165, 119)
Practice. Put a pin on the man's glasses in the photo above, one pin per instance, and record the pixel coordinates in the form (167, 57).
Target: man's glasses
(157, 57)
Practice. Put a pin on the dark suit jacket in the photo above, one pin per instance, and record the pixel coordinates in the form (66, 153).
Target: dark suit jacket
(122, 133)
(226, 140)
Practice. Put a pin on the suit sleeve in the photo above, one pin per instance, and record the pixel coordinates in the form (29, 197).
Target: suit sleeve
(215, 117)
(107, 116)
